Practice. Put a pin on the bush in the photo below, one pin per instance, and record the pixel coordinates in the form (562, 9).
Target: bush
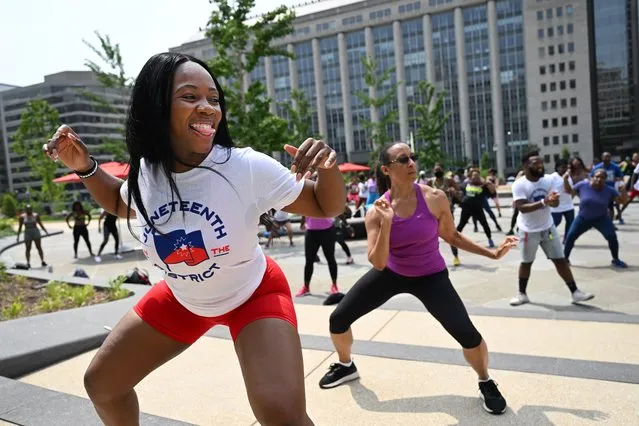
(116, 291)
(9, 205)
(13, 311)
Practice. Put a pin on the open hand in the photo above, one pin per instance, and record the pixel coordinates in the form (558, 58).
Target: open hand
(384, 209)
(311, 155)
(65, 145)
(505, 247)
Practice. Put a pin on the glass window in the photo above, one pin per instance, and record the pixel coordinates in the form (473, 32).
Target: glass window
(570, 28)
(553, 104)
(546, 141)
(540, 33)
(544, 106)
(560, 30)
(573, 84)
(553, 86)
(547, 158)
(560, 11)
(556, 157)
(555, 140)
(548, 13)
(574, 120)
(565, 139)
(544, 123)
(571, 47)
(573, 102)
(564, 103)
(552, 68)
(564, 121)
(542, 52)
(540, 15)
(560, 48)
(569, 10)
(562, 85)
(555, 122)
(571, 65)
(543, 87)
(542, 70)
(551, 32)
(551, 50)
(575, 138)
(562, 67)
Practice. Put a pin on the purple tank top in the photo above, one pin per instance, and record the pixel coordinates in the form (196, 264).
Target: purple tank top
(414, 242)
(317, 223)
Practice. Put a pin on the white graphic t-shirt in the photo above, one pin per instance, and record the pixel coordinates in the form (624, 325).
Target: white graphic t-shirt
(565, 199)
(523, 189)
(208, 246)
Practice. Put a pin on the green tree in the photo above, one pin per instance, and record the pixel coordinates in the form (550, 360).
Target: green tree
(565, 153)
(37, 123)
(9, 205)
(239, 44)
(299, 115)
(484, 162)
(114, 78)
(378, 130)
(431, 118)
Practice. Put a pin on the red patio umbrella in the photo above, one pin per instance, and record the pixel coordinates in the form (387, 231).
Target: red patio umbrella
(351, 167)
(119, 170)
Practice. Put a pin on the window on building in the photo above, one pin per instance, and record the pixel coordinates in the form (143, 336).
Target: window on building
(548, 13)
(544, 123)
(559, 12)
(546, 141)
(571, 47)
(564, 103)
(564, 121)
(551, 68)
(547, 158)
(555, 140)
(550, 32)
(542, 52)
(575, 138)
(560, 48)
(540, 15)
(569, 10)
(570, 28)
(543, 87)
(560, 30)
(551, 50)
(556, 157)
(553, 86)
(562, 66)
(573, 102)
(571, 65)
(544, 106)
(553, 104)
(573, 84)
(555, 122)
(565, 139)
(562, 85)
(574, 120)
(542, 70)
(540, 33)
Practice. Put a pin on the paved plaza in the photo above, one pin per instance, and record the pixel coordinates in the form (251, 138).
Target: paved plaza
(556, 363)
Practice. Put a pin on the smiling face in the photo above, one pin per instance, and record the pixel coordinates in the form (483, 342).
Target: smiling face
(535, 166)
(401, 166)
(195, 113)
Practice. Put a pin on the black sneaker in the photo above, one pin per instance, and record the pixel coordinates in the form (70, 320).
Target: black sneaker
(338, 374)
(494, 402)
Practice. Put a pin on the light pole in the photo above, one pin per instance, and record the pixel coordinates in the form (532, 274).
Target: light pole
(512, 151)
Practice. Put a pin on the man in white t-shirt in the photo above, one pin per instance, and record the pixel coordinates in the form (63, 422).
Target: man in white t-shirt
(565, 209)
(533, 195)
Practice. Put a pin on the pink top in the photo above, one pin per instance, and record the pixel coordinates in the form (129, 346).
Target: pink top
(414, 242)
(317, 223)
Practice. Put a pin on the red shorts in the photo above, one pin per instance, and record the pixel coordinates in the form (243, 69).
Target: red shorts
(352, 197)
(633, 193)
(272, 299)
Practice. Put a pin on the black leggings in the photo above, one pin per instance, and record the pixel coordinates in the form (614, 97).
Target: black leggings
(477, 213)
(513, 221)
(312, 242)
(110, 230)
(435, 291)
(81, 231)
(339, 237)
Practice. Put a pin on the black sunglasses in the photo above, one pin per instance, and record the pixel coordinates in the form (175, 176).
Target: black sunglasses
(404, 159)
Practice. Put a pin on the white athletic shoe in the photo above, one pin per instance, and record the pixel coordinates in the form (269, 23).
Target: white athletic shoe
(579, 296)
(520, 299)
(97, 259)
(118, 256)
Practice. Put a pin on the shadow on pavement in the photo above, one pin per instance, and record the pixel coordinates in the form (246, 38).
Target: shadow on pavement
(609, 267)
(579, 307)
(466, 410)
(474, 267)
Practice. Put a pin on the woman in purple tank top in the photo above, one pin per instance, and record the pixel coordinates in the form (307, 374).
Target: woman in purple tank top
(404, 228)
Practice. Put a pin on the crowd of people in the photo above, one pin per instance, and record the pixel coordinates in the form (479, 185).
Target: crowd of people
(195, 201)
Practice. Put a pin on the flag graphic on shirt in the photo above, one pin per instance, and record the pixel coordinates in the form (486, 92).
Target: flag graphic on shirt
(178, 246)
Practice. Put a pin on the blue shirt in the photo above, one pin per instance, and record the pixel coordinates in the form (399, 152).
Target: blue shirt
(593, 204)
(613, 172)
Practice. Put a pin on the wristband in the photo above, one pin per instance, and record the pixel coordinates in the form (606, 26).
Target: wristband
(91, 171)
(543, 202)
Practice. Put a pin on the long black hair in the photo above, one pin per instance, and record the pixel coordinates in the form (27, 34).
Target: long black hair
(383, 180)
(148, 124)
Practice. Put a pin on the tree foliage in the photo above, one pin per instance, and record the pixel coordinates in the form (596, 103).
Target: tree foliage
(431, 118)
(239, 44)
(299, 116)
(38, 122)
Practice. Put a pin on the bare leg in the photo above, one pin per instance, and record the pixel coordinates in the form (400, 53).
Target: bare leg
(563, 268)
(273, 374)
(130, 352)
(343, 344)
(289, 229)
(27, 254)
(38, 244)
(478, 359)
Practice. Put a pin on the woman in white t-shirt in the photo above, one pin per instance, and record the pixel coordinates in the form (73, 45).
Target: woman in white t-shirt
(197, 200)
(565, 209)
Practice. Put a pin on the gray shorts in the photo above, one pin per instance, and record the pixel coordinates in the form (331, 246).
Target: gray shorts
(32, 234)
(549, 240)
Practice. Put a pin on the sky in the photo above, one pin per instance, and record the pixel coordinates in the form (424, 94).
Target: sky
(41, 37)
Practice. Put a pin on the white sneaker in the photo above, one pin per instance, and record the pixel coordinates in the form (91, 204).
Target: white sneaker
(580, 296)
(117, 256)
(97, 259)
(520, 299)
